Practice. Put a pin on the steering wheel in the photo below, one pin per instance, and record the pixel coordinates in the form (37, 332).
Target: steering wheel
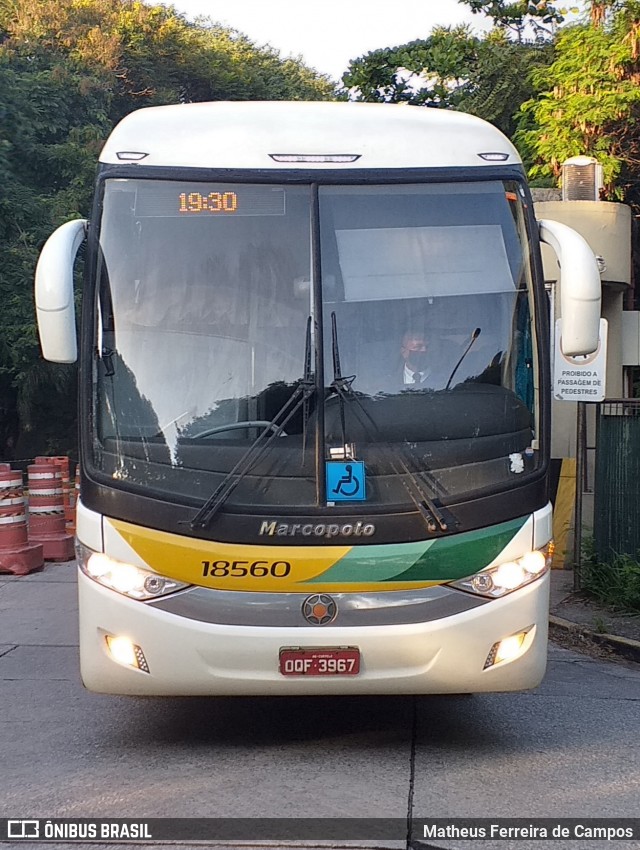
(240, 426)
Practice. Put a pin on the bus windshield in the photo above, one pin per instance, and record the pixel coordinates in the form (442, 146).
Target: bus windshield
(423, 307)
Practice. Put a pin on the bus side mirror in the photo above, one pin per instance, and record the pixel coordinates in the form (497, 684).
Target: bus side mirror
(55, 307)
(580, 288)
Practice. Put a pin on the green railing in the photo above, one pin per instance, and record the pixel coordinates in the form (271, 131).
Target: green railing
(617, 479)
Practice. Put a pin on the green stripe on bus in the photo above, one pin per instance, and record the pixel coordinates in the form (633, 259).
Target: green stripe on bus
(461, 555)
(374, 563)
(442, 559)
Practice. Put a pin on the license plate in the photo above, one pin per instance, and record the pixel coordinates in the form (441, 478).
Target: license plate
(320, 661)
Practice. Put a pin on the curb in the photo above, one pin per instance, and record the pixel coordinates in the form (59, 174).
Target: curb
(624, 647)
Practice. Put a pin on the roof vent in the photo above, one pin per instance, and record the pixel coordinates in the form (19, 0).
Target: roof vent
(581, 179)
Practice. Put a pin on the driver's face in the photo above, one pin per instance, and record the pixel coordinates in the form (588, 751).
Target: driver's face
(412, 345)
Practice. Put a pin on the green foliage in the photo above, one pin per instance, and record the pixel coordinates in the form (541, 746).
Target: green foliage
(452, 68)
(516, 16)
(503, 80)
(588, 102)
(49, 118)
(69, 70)
(615, 583)
(423, 72)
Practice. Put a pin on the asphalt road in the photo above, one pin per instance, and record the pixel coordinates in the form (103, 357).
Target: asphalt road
(571, 748)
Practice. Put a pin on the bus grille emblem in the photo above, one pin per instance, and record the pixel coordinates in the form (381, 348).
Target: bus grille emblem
(319, 609)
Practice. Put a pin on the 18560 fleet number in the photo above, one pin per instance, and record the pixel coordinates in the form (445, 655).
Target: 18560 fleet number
(239, 569)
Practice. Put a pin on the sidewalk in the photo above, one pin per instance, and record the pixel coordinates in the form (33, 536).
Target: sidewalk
(583, 623)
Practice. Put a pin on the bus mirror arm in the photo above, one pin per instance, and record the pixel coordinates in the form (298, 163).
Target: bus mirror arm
(55, 307)
(580, 287)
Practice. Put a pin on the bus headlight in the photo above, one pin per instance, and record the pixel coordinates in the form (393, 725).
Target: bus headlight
(511, 575)
(127, 579)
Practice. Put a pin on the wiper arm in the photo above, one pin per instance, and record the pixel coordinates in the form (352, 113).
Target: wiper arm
(274, 428)
(307, 378)
(428, 510)
(341, 384)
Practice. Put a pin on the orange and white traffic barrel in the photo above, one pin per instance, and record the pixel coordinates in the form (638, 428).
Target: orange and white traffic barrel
(75, 498)
(63, 464)
(17, 555)
(46, 511)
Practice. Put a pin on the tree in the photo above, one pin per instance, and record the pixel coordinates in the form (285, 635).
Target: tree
(69, 70)
(588, 101)
(452, 68)
(428, 71)
(516, 17)
(52, 121)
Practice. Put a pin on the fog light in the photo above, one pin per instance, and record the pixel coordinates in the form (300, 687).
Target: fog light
(124, 651)
(509, 648)
(506, 649)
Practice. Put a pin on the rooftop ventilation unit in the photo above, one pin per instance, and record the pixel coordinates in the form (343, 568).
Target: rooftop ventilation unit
(581, 179)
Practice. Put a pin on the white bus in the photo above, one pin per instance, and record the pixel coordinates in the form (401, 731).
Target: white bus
(314, 402)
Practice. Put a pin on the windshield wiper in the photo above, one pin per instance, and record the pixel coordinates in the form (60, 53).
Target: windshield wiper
(428, 510)
(307, 378)
(272, 429)
(341, 383)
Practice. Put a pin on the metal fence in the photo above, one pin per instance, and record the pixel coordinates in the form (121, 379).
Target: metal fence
(617, 479)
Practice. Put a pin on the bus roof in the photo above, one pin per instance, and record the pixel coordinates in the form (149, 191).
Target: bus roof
(256, 135)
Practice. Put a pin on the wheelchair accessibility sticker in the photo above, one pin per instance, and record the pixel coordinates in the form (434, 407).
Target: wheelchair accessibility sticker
(345, 481)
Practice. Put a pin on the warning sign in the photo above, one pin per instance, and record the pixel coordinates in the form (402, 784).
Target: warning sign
(580, 378)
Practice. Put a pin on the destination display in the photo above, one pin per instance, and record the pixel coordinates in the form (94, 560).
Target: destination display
(168, 199)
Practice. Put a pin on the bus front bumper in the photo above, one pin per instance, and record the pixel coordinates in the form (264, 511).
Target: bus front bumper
(188, 657)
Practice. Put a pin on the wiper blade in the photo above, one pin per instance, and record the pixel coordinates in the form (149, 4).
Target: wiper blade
(341, 384)
(428, 510)
(307, 378)
(272, 429)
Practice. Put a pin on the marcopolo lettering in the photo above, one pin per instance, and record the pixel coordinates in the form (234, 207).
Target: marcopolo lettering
(273, 528)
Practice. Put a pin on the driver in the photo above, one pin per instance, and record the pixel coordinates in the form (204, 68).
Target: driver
(416, 368)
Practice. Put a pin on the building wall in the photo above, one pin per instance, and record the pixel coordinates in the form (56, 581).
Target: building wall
(607, 228)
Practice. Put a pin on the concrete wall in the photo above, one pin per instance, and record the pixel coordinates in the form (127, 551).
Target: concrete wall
(607, 228)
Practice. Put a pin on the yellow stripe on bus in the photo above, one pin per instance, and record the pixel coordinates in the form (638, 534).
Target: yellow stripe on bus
(229, 566)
